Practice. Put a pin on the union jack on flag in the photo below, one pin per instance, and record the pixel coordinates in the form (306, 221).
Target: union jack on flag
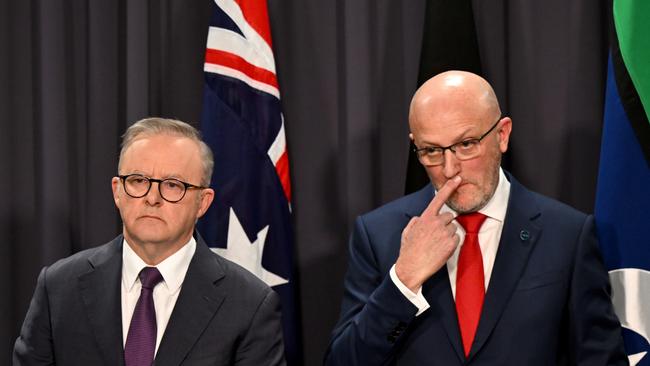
(249, 221)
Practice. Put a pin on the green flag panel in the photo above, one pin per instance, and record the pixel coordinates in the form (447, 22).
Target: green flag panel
(632, 22)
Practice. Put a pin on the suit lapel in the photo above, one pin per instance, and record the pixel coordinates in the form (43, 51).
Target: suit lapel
(419, 201)
(437, 291)
(197, 303)
(520, 232)
(100, 292)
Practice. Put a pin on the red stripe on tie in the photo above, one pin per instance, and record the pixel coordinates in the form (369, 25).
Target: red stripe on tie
(236, 62)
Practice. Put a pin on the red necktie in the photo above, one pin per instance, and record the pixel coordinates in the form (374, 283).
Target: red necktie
(470, 281)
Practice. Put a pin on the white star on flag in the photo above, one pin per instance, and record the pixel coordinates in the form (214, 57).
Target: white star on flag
(248, 255)
(631, 298)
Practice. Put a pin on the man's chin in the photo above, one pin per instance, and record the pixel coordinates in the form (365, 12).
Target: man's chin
(148, 236)
(464, 206)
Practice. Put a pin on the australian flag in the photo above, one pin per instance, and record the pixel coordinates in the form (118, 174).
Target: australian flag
(249, 221)
(623, 194)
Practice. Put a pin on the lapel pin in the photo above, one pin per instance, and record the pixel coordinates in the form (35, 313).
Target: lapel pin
(524, 235)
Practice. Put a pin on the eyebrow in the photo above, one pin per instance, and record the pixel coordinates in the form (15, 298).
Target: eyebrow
(460, 138)
(168, 176)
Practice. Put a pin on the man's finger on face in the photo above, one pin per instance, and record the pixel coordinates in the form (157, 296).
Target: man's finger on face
(441, 197)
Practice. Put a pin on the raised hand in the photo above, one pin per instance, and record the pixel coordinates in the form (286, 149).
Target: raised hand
(428, 240)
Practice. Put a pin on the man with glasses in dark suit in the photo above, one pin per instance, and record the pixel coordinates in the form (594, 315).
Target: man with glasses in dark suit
(156, 293)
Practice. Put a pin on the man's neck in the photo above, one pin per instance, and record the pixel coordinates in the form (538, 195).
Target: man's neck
(154, 253)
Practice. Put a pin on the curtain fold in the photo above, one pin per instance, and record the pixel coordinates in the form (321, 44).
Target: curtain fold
(547, 62)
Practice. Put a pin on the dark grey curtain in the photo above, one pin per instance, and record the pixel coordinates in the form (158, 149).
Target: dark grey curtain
(74, 74)
(347, 69)
(547, 61)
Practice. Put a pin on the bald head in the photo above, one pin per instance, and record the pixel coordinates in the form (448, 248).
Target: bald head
(453, 93)
(457, 129)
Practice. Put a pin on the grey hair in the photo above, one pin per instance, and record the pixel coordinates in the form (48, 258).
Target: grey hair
(164, 126)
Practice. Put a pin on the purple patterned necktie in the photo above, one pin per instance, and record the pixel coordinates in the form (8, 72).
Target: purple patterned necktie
(141, 340)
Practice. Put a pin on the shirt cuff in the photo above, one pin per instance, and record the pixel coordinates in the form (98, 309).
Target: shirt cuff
(416, 299)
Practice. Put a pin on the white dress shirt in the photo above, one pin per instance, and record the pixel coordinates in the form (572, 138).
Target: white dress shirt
(488, 236)
(165, 294)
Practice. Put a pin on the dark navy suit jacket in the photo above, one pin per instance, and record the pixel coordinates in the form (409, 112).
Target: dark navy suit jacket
(224, 315)
(547, 303)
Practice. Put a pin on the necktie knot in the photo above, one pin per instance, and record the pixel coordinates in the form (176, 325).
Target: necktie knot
(471, 222)
(150, 277)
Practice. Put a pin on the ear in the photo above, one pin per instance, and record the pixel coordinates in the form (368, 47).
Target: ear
(115, 186)
(207, 195)
(503, 133)
(411, 137)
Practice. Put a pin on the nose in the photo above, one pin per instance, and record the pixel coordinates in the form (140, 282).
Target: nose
(451, 165)
(153, 197)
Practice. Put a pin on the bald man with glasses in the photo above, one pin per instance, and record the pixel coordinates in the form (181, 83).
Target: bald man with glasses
(473, 269)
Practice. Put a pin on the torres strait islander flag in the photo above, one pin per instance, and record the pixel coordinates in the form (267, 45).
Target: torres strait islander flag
(249, 221)
(623, 193)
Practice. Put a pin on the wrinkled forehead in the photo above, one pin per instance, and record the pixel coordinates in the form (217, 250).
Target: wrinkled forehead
(446, 111)
(163, 153)
(161, 139)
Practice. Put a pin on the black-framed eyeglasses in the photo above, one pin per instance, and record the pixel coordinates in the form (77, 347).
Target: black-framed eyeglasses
(171, 189)
(464, 150)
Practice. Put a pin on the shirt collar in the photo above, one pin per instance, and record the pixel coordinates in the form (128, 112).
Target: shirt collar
(497, 206)
(172, 269)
